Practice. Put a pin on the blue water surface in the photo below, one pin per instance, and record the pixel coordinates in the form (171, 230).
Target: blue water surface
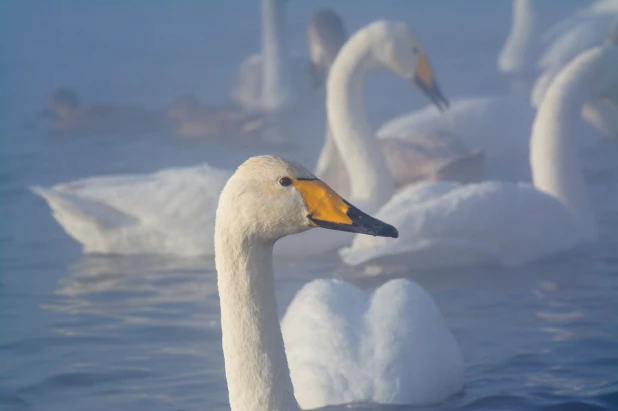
(88, 332)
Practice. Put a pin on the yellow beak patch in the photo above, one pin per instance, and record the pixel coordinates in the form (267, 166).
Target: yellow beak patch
(423, 70)
(322, 202)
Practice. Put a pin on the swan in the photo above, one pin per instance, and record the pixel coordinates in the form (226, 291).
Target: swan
(67, 114)
(272, 81)
(172, 211)
(336, 344)
(194, 120)
(420, 157)
(502, 223)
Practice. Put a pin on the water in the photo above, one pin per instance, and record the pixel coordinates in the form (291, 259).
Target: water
(98, 333)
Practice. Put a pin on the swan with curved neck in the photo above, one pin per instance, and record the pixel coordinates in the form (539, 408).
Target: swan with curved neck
(421, 157)
(266, 199)
(381, 45)
(501, 222)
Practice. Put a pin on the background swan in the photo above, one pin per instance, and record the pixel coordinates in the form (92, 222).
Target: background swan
(396, 347)
(421, 156)
(271, 81)
(168, 212)
(502, 223)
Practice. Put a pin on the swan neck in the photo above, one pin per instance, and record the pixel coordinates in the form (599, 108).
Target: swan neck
(554, 155)
(371, 182)
(519, 51)
(276, 88)
(256, 367)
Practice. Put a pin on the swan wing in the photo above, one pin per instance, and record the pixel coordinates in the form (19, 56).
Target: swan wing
(497, 126)
(168, 212)
(391, 346)
(445, 225)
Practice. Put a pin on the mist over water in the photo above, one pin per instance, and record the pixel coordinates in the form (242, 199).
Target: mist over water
(93, 332)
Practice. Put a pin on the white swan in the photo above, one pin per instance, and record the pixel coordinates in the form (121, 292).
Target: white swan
(568, 38)
(501, 223)
(172, 211)
(419, 157)
(342, 344)
(271, 81)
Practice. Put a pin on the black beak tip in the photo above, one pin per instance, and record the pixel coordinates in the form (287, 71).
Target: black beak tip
(388, 231)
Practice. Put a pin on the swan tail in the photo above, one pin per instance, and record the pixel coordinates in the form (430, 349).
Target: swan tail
(464, 169)
(83, 219)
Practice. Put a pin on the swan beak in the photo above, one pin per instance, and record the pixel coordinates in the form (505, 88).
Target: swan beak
(426, 81)
(326, 209)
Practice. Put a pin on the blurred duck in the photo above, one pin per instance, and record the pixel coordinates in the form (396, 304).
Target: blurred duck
(172, 211)
(420, 157)
(195, 120)
(67, 114)
(445, 224)
(336, 344)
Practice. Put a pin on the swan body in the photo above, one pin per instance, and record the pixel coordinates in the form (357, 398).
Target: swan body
(269, 198)
(502, 223)
(498, 126)
(68, 115)
(169, 212)
(446, 225)
(338, 336)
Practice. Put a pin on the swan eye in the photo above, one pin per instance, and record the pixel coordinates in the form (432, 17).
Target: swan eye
(415, 50)
(285, 181)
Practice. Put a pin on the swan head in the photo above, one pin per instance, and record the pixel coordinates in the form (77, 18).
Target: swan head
(269, 197)
(326, 34)
(398, 49)
(62, 103)
(183, 106)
